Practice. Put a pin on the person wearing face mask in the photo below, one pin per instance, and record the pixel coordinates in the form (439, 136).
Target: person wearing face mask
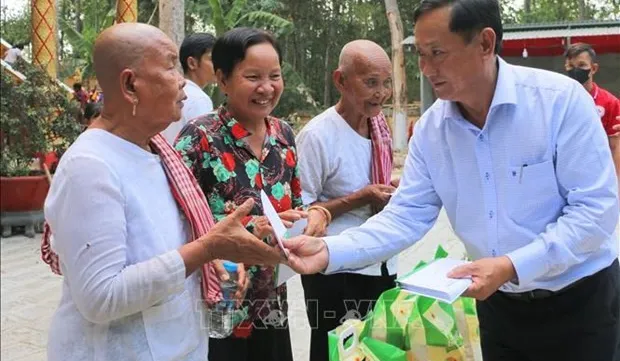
(235, 153)
(581, 65)
(519, 161)
(345, 163)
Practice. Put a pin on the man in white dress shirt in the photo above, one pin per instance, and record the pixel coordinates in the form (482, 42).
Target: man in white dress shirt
(520, 162)
(335, 158)
(195, 58)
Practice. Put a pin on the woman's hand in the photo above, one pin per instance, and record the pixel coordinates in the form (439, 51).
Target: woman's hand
(317, 223)
(229, 239)
(243, 281)
(291, 216)
(262, 227)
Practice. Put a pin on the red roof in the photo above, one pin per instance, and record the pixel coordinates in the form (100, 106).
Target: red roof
(602, 44)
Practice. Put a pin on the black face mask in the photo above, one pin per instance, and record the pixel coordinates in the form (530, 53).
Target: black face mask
(581, 75)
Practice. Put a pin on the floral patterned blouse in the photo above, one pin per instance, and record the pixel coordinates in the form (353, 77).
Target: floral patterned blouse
(228, 172)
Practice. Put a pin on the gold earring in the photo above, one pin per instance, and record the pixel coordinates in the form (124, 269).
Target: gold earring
(133, 112)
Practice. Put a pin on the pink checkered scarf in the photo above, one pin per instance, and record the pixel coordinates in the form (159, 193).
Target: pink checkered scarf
(190, 199)
(382, 155)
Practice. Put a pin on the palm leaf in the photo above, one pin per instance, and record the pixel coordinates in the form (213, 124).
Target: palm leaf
(108, 19)
(275, 23)
(77, 41)
(218, 17)
(233, 14)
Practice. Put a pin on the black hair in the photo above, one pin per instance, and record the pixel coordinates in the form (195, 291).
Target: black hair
(195, 45)
(92, 110)
(19, 46)
(574, 50)
(77, 86)
(230, 48)
(468, 17)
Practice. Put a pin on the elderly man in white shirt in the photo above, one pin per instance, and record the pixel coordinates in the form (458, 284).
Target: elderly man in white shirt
(337, 154)
(195, 58)
(130, 224)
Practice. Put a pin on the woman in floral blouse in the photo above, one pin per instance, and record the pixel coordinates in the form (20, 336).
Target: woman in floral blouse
(236, 152)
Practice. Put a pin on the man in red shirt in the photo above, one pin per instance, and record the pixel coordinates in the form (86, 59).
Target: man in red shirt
(581, 65)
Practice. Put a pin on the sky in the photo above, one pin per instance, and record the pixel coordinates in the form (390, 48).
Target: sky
(13, 7)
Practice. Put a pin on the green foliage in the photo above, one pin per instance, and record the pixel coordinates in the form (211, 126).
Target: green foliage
(16, 27)
(561, 10)
(267, 21)
(225, 15)
(37, 117)
(310, 32)
(297, 97)
(83, 43)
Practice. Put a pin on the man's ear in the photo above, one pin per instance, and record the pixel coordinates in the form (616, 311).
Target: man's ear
(487, 41)
(192, 63)
(338, 78)
(128, 85)
(595, 68)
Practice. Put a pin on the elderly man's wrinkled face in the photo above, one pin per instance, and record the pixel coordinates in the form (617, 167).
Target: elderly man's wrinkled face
(367, 85)
(160, 84)
(445, 58)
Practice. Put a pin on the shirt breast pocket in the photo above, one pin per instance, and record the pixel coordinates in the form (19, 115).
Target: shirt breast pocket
(532, 192)
(172, 328)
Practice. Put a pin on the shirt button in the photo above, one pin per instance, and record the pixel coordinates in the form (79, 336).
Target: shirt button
(493, 253)
(481, 137)
(514, 173)
(491, 214)
(487, 176)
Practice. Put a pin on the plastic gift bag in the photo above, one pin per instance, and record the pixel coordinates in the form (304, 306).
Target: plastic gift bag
(422, 328)
(349, 342)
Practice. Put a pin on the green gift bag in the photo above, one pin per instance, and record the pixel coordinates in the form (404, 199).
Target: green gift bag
(424, 328)
(349, 342)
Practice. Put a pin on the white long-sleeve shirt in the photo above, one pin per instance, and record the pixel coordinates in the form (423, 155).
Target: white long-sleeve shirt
(335, 161)
(536, 184)
(197, 103)
(116, 230)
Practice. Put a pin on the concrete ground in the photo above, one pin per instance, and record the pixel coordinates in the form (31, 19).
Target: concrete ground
(30, 294)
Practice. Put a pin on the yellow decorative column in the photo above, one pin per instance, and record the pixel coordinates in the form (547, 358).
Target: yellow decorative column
(44, 35)
(126, 11)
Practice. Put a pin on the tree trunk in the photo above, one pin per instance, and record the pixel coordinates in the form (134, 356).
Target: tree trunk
(399, 79)
(172, 19)
(78, 12)
(61, 38)
(527, 7)
(327, 79)
(582, 9)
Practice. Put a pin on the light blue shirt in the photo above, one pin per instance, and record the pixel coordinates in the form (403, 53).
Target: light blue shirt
(536, 183)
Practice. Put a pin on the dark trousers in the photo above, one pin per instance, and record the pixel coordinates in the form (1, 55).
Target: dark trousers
(618, 348)
(579, 323)
(331, 299)
(264, 344)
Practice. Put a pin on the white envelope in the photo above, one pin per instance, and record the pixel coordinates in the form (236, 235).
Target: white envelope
(283, 272)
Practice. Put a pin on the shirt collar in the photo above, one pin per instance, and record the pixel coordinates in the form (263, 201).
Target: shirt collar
(594, 91)
(238, 131)
(505, 90)
(190, 83)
